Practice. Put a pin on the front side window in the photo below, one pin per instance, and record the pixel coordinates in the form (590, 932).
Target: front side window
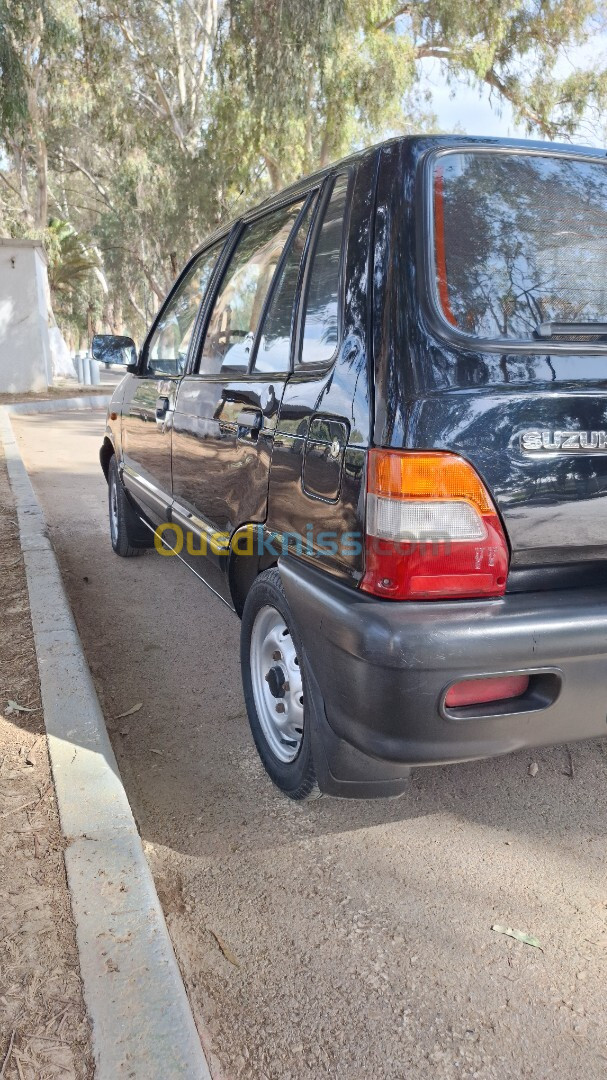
(168, 348)
(321, 321)
(520, 245)
(239, 305)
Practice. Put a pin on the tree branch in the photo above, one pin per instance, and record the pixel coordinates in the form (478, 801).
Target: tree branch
(385, 23)
(135, 305)
(492, 79)
(99, 188)
(6, 180)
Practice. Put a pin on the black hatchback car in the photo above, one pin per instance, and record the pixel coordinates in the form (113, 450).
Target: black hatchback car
(372, 417)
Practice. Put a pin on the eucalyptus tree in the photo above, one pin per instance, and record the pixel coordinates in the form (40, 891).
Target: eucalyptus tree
(143, 123)
(318, 76)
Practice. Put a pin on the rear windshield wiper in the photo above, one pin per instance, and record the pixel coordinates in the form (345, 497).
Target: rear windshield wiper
(574, 329)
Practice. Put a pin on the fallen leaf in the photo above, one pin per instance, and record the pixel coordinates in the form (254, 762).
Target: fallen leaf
(226, 950)
(518, 935)
(129, 712)
(13, 706)
(534, 768)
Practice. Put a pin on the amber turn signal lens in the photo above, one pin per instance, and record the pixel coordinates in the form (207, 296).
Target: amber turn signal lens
(395, 474)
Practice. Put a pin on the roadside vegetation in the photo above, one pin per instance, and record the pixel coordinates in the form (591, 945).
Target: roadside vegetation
(129, 128)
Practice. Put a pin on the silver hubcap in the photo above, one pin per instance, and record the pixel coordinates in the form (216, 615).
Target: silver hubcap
(277, 685)
(113, 511)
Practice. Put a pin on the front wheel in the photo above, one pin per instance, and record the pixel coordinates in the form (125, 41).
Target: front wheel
(274, 686)
(123, 520)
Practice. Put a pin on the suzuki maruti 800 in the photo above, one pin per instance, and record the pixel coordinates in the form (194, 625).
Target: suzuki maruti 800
(372, 417)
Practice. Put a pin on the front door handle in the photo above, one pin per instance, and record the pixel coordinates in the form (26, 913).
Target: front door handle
(162, 407)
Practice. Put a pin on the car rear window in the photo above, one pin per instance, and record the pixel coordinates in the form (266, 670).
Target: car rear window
(520, 244)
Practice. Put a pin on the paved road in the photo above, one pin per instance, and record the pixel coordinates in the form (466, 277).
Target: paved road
(348, 940)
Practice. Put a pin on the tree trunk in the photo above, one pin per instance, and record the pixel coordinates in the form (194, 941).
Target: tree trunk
(118, 322)
(42, 182)
(325, 157)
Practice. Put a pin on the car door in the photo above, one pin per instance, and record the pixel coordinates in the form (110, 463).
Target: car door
(225, 418)
(149, 401)
(323, 425)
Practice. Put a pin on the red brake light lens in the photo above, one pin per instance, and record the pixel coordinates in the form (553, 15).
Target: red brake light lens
(481, 691)
(432, 530)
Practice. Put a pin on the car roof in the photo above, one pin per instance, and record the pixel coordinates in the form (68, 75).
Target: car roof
(311, 180)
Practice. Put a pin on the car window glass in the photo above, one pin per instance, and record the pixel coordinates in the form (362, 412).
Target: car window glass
(246, 282)
(519, 243)
(274, 351)
(168, 348)
(321, 324)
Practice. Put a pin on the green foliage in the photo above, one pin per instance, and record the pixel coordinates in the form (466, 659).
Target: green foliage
(29, 31)
(130, 128)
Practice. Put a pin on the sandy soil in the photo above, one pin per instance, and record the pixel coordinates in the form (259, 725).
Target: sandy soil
(69, 388)
(44, 1029)
(60, 392)
(340, 940)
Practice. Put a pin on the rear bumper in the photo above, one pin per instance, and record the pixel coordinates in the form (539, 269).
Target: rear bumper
(379, 671)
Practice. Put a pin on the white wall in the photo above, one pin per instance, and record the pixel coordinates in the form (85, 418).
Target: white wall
(24, 343)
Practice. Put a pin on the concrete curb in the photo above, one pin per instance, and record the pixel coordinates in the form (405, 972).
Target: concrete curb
(87, 401)
(143, 1026)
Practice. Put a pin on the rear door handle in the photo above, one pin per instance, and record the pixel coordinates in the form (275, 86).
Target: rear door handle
(249, 423)
(162, 407)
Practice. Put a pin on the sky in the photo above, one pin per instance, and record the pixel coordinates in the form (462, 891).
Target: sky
(465, 107)
(470, 110)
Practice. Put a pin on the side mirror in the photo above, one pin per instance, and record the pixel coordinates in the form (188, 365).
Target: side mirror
(115, 349)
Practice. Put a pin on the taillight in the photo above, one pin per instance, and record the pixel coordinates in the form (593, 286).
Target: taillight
(432, 530)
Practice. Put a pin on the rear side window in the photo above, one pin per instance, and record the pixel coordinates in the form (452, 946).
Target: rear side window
(274, 351)
(321, 320)
(246, 282)
(520, 244)
(168, 348)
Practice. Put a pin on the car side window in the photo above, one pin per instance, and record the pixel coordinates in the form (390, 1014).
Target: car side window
(168, 348)
(321, 319)
(274, 349)
(247, 280)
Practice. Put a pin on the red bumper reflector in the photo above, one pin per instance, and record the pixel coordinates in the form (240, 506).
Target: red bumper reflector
(479, 691)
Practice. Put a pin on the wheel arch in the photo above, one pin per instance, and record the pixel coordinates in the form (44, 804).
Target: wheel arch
(243, 568)
(105, 455)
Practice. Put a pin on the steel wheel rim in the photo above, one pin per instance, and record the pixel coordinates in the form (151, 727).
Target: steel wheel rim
(113, 511)
(277, 684)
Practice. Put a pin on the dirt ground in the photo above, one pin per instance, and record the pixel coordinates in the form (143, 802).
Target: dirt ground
(44, 1029)
(337, 939)
(69, 388)
(54, 393)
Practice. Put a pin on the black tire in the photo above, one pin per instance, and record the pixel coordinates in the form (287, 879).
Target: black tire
(125, 528)
(297, 777)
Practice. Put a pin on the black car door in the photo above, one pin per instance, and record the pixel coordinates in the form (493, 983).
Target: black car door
(149, 400)
(225, 419)
(323, 426)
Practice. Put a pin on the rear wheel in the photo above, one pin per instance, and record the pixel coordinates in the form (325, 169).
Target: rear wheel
(274, 685)
(124, 524)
